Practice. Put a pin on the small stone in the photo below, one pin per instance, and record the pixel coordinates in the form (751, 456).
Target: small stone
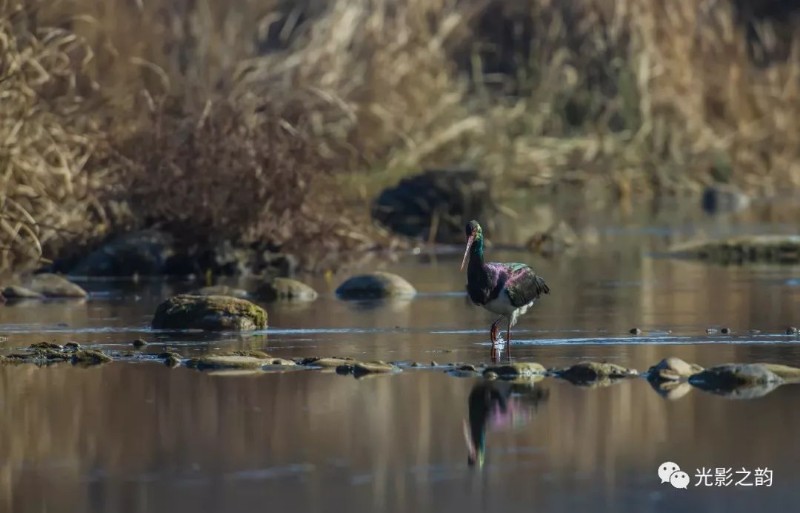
(374, 286)
(326, 363)
(588, 372)
(755, 332)
(791, 330)
(281, 362)
(672, 369)
(415, 364)
(515, 370)
(711, 331)
(72, 346)
(218, 362)
(285, 289)
(725, 331)
(139, 342)
(378, 367)
(635, 331)
(253, 353)
(171, 358)
(468, 368)
(434, 364)
(90, 357)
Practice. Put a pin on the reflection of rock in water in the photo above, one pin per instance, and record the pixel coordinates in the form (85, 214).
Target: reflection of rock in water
(671, 390)
(498, 405)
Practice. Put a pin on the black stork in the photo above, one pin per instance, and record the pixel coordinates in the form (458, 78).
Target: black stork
(506, 289)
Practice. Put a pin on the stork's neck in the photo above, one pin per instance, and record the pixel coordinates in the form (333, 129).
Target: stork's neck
(476, 270)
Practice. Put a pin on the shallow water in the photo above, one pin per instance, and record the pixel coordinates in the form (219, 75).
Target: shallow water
(142, 437)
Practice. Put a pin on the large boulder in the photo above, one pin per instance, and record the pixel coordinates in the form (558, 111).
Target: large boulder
(212, 313)
(731, 376)
(434, 204)
(53, 285)
(375, 286)
(672, 369)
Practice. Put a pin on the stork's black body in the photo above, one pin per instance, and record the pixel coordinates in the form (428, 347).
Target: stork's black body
(507, 289)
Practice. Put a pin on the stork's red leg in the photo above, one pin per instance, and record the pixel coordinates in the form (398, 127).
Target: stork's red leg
(493, 336)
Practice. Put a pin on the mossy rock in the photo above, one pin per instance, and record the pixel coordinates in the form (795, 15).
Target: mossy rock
(587, 373)
(13, 292)
(170, 358)
(285, 289)
(672, 369)
(358, 369)
(375, 285)
(730, 376)
(783, 249)
(211, 313)
(221, 290)
(228, 361)
(53, 285)
(515, 370)
(89, 357)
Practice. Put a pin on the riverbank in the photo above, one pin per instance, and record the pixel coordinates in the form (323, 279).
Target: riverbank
(125, 117)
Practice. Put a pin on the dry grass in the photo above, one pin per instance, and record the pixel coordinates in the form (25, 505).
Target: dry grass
(211, 115)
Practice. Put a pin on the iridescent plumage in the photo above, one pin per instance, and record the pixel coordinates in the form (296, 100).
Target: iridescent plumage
(507, 289)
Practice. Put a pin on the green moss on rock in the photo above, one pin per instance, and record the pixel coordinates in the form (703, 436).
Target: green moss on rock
(212, 313)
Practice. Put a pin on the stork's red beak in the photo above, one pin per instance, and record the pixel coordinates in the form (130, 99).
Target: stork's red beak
(470, 240)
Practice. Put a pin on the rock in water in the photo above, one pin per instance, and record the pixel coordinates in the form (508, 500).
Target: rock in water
(672, 369)
(781, 249)
(589, 372)
(212, 313)
(374, 286)
(434, 204)
(285, 289)
(515, 370)
(16, 292)
(144, 253)
(53, 285)
(219, 362)
(734, 375)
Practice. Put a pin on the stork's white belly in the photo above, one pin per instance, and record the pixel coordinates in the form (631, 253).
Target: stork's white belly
(501, 305)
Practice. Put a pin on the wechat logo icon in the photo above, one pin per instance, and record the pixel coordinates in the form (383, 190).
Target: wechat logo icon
(671, 473)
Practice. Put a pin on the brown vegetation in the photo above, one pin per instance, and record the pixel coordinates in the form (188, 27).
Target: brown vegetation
(234, 124)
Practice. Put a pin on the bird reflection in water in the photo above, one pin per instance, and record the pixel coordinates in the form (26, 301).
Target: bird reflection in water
(498, 406)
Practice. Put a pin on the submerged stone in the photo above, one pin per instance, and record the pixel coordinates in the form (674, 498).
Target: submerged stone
(139, 342)
(227, 362)
(285, 289)
(211, 313)
(672, 369)
(326, 363)
(515, 370)
(18, 292)
(588, 372)
(375, 286)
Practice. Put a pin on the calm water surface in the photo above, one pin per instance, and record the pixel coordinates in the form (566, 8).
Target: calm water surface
(140, 437)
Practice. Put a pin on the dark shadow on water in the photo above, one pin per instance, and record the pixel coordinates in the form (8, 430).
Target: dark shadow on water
(495, 406)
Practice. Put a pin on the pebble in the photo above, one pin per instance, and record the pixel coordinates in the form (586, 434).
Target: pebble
(725, 331)
(139, 342)
(635, 331)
